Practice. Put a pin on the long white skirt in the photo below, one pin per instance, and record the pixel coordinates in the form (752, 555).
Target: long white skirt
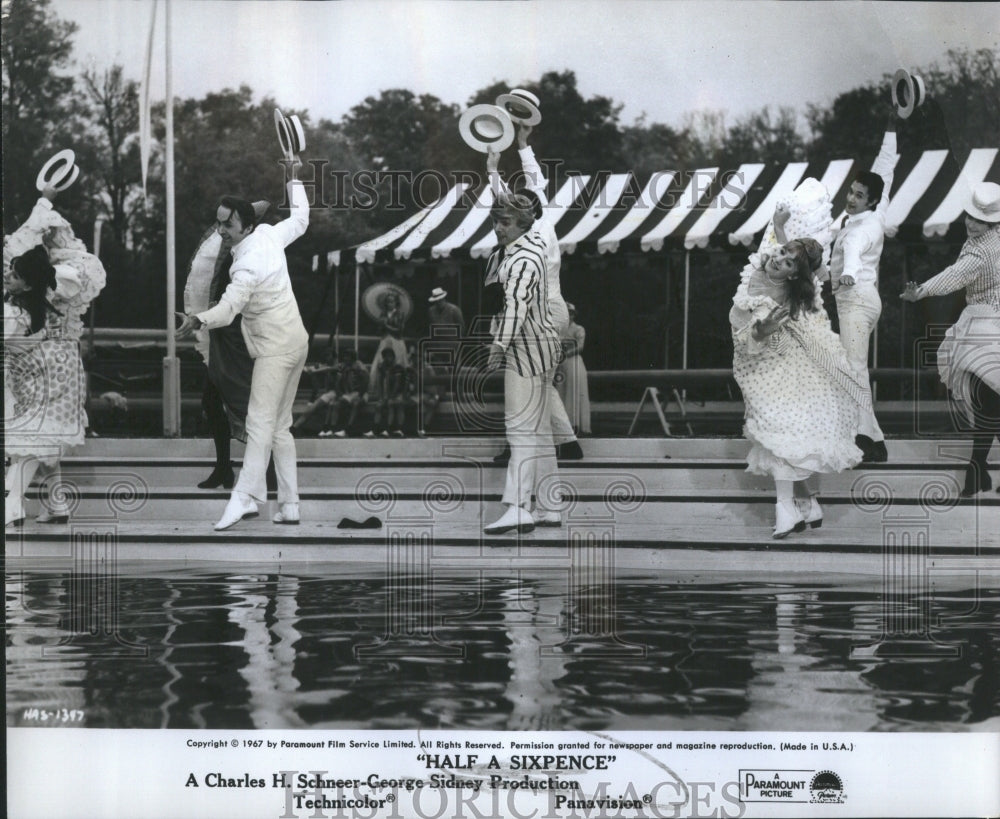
(571, 383)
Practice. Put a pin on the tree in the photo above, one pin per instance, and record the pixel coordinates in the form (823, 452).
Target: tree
(763, 137)
(398, 135)
(111, 108)
(582, 135)
(962, 111)
(35, 45)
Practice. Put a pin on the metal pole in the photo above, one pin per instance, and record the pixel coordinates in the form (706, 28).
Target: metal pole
(98, 224)
(687, 298)
(336, 311)
(171, 364)
(666, 313)
(357, 305)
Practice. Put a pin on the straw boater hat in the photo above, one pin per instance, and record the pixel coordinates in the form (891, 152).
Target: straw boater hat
(984, 204)
(59, 172)
(908, 92)
(521, 105)
(486, 126)
(291, 135)
(437, 294)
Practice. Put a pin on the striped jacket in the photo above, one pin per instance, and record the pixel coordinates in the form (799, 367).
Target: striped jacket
(522, 327)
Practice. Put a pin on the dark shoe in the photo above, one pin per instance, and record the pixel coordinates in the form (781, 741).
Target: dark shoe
(865, 444)
(977, 480)
(504, 457)
(877, 453)
(53, 517)
(221, 476)
(368, 523)
(570, 451)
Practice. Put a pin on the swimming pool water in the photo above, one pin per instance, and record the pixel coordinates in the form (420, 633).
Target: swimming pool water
(333, 647)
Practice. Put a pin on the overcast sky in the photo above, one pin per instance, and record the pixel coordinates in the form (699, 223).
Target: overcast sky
(658, 57)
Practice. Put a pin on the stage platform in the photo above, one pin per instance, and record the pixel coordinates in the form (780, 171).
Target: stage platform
(659, 503)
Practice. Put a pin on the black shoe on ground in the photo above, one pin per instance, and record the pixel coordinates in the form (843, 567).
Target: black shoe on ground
(221, 476)
(504, 457)
(570, 451)
(877, 453)
(865, 444)
(977, 480)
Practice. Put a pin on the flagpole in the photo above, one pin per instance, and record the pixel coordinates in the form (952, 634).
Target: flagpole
(171, 364)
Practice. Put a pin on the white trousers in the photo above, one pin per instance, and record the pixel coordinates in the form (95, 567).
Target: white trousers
(858, 309)
(273, 385)
(529, 433)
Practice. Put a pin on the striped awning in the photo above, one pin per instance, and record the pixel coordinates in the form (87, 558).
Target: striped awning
(690, 209)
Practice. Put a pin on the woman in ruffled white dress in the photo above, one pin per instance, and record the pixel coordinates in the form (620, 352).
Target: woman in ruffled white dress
(50, 279)
(801, 395)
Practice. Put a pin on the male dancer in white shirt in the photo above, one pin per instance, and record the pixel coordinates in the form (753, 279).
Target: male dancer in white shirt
(567, 445)
(261, 290)
(854, 262)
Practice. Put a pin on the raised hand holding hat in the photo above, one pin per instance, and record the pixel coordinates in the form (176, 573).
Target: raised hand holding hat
(521, 106)
(486, 126)
(908, 92)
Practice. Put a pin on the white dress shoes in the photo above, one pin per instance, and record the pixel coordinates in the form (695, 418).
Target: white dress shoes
(787, 519)
(515, 518)
(547, 518)
(288, 515)
(236, 510)
(812, 513)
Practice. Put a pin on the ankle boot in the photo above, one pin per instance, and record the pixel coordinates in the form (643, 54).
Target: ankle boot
(787, 519)
(221, 476)
(813, 513)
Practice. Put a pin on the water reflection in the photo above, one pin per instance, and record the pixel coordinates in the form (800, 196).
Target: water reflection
(499, 651)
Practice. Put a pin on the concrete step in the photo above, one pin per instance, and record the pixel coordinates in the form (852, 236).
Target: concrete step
(484, 447)
(647, 478)
(475, 509)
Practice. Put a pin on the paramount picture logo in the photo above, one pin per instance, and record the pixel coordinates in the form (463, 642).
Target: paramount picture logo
(769, 785)
(826, 786)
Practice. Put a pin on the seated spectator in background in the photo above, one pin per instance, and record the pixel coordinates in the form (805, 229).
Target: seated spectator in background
(387, 396)
(392, 317)
(571, 379)
(351, 386)
(425, 391)
(324, 397)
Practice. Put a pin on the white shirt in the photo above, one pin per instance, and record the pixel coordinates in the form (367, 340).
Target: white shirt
(260, 287)
(534, 181)
(857, 246)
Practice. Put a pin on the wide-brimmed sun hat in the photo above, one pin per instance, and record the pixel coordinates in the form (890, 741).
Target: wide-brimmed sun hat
(984, 204)
(486, 126)
(373, 300)
(59, 172)
(521, 106)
